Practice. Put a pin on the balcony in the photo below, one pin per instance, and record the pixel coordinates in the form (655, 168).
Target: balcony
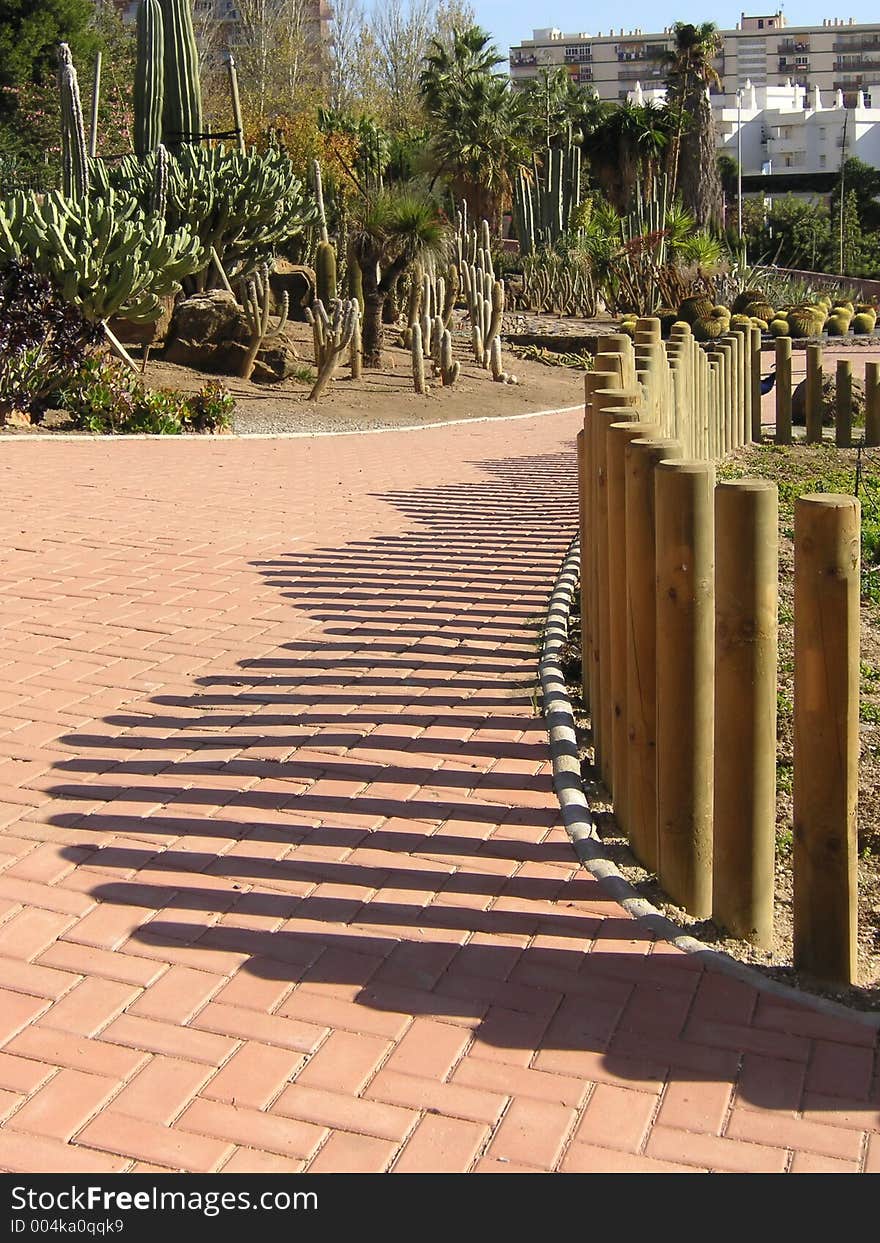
(870, 43)
(519, 60)
(792, 66)
(793, 45)
(580, 57)
(641, 74)
(584, 75)
(861, 62)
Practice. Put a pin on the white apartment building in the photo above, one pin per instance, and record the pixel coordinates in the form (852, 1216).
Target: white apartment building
(764, 50)
(788, 130)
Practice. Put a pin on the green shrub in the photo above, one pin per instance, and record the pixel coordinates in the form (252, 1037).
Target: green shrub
(863, 323)
(105, 397)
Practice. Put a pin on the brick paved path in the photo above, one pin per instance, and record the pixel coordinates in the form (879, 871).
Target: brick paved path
(282, 882)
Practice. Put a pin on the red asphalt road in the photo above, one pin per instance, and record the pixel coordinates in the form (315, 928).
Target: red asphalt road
(283, 883)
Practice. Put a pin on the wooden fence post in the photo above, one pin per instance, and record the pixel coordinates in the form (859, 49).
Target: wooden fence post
(843, 404)
(746, 592)
(783, 390)
(813, 415)
(826, 735)
(872, 404)
(685, 545)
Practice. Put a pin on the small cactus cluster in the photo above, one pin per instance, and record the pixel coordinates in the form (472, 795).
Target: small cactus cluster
(431, 332)
(254, 296)
(543, 204)
(334, 330)
(485, 302)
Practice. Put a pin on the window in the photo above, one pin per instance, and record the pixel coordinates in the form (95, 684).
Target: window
(760, 23)
(823, 160)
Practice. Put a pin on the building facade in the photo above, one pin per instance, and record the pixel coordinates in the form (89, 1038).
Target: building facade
(838, 55)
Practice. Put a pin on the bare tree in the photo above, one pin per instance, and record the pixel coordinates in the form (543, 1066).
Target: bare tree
(344, 73)
(277, 48)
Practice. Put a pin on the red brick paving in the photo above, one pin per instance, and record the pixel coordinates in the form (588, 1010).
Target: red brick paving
(283, 884)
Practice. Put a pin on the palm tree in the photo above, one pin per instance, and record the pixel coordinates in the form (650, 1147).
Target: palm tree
(690, 76)
(480, 129)
(391, 229)
(561, 107)
(627, 147)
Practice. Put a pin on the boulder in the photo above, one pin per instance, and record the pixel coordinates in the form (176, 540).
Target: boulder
(153, 334)
(298, 282)
(829, 395)
(210, 332)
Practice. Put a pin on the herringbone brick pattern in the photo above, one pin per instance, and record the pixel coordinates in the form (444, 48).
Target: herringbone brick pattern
(283, 884)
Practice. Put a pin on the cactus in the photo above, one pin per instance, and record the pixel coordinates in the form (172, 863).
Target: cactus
(761, 309)
(319, 200)
(863, 323)
(255, 298)
(692, 309)
(449, 369)
(182, 103)
(105, 257)
(334, 332)
(453, 286)
(837, 325)
(744, 300)
(544, 206)
(778, 327)
(710, 328)
(159, 195)
(325, 272)
(149, 79)
(805, 321)
(418, 359)
(74, 156)
(356, 282)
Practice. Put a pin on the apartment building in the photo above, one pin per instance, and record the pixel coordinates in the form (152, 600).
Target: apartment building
(838, 55)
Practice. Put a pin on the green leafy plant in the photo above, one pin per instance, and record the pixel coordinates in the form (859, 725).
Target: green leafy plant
(105, 397)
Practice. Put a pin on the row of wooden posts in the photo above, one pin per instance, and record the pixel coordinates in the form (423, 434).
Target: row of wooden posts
(843, 400)
(679, 614)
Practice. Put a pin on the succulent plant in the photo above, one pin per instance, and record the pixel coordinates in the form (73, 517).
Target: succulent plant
(744, 300)
(103, 254)
(149, 77)
(761, 310)
(74, 157)
(693, 309)
(778, 327)
(837, 325)
(544, 203)
(449, 368)
(325, 272)
(805, 321)
(758, 323)
(255, 299)
(710, 328)
(182, 102)
(333, 331)
(863, 323)
(667, 316)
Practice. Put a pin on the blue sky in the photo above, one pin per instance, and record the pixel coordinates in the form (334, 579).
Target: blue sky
(510, 21)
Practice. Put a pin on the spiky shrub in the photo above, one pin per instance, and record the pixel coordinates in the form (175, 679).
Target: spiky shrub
(710, 328)
(778, 327)
(740, 321)
(761, 310)
(837, 325)
(863, 323)
(759, 323)
(692, 309)
(845, 304)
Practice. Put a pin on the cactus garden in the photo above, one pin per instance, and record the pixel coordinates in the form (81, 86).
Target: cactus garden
(355, 259)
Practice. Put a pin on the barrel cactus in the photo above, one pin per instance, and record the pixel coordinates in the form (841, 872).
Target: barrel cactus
(863, 323)
(805, 321)
(692, 309)
(778, 327)
(761, 310)
(740, 321)
(837, 325)
(744, 300)
(710, 328)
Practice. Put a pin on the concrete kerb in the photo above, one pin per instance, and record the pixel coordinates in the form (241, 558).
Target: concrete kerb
(80, 437)
(580, 825)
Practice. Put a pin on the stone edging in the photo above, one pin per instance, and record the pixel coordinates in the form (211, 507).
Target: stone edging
(580, 825)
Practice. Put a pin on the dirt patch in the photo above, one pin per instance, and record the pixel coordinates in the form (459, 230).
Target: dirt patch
(796, 470)
(382, 398)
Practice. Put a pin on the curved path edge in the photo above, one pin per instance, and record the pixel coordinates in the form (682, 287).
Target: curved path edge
(580, 825)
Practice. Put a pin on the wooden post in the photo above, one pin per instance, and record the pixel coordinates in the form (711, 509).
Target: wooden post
(783, 390)
(746, 591)
(814, 394)
(618, 437)
(642, 457)
(872, 404)
(755, 404)
(826, 735)
(609, 406)
(584, 534)
(843, 404)
(685, 680)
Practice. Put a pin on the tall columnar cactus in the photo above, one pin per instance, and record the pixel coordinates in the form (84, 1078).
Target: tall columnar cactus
(159, 190)
(182, 108)
(334, 333)
(325, 272)
(74, 154)
(149, 77)
(255, 298)
(543, 206)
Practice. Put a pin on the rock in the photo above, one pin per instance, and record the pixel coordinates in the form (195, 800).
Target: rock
(829, 394)
(13, 417)
(57, 420)
(275, 362)
(154, 334)
(298, 282)
(208, 331)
